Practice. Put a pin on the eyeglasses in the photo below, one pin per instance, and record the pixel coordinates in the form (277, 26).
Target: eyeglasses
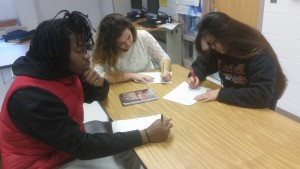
(213, 43)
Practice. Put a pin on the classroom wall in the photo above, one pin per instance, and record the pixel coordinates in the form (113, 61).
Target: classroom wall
(27, 13)
(122, 7)
(106, 7)
(281, 25)
(7, 10)
(32, 12)
(47, 9)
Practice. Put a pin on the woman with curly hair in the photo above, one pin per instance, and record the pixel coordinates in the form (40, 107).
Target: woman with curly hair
(121, 52)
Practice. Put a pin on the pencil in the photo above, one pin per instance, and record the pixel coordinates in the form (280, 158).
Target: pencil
(193, 73)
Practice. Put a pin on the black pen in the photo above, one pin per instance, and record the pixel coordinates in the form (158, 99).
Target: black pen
(162, 118)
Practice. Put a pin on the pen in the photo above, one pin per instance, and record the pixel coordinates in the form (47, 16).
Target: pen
(193, 73)
(162, 118)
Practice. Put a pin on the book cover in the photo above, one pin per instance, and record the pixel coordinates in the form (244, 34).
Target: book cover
(137, 96)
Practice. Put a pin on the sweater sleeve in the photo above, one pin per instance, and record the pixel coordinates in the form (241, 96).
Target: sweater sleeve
(204, 66)
(154, 48)
(259, 93)
(43, 116)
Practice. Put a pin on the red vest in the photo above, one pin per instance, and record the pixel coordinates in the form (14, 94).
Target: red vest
(22, 151)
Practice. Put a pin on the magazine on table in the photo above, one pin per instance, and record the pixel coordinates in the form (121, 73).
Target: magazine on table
(137, 96)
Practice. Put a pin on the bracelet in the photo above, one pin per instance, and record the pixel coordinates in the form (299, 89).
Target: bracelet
(147, 136)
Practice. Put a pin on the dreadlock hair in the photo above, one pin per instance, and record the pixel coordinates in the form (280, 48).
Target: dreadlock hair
(50, 45)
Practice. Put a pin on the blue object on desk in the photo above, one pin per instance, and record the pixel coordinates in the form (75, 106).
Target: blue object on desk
(18, 36)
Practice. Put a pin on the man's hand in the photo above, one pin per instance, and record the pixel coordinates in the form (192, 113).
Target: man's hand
(159, 130)
(93, 78)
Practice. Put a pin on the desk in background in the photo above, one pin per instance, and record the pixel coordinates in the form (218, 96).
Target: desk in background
(9, 53)
(173, 40)
(211, 135)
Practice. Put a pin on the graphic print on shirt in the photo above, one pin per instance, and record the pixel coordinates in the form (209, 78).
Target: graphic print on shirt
(233, 72)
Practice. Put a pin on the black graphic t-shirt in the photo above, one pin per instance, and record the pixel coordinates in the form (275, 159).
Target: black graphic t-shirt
(233, 73)
(246, 82)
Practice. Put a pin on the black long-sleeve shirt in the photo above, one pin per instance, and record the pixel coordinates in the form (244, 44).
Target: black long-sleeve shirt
(247, 82)
(44, 116)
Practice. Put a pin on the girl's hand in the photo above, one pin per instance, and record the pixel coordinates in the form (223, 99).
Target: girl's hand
(141, 78)
(166, 76)
(210, 95)
(193, 82)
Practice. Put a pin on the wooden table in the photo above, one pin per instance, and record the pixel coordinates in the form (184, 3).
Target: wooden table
(211, 135)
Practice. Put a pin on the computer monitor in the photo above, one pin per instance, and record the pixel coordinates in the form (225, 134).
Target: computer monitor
(136, 6)
(153, 8)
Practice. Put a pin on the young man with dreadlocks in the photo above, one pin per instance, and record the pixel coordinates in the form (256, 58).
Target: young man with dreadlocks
(41, 121)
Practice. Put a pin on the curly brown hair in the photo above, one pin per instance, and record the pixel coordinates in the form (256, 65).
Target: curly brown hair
(106, 51)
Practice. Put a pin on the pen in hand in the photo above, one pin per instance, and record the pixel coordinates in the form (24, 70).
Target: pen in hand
(162, 118)
(193, 74)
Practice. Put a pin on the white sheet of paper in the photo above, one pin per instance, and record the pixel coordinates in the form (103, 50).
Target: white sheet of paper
(93, 112)
(6, 44)
(156, 76)
(169, 26)
(134, 124)
(184, 94)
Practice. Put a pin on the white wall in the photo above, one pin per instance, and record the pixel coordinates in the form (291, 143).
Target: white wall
(47, 9)
(7, 10)
(281, 25)
(122, 6)
(106, 7)
(32, 12)
(27, 13)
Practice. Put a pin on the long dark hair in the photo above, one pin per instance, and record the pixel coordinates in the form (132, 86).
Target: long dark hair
(51, 42)
(106, 51)
(239, 40)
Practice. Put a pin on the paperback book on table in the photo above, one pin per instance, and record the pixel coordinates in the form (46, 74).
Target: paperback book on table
(137, 96)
